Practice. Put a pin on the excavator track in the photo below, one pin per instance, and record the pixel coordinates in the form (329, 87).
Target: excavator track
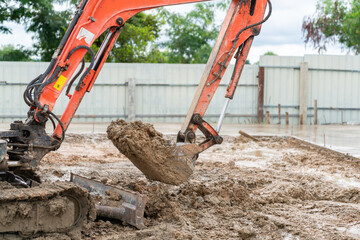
(60, 207)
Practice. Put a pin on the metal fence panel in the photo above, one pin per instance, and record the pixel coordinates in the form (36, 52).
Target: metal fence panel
(282, 77)
(164, 92)
(334, 81)
(335, 84)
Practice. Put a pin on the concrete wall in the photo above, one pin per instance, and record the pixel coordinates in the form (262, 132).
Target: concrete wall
(163, 92)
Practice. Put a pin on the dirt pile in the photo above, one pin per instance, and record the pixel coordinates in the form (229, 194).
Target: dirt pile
(5, 185)
(277, 188)
(150, 152)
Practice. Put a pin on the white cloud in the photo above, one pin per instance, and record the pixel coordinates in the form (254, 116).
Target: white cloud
(19, 36)
(288, 50)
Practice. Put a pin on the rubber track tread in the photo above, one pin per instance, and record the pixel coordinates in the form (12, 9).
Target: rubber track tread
(46, 192)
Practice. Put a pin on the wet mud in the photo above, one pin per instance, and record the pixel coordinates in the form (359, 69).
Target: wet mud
(150, 152)
(276, 188)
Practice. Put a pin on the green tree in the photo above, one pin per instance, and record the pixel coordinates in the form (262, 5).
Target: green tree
(49, 26)
(10, 53)
(4, 16)
(137, 41)
(270, 53)
(335, 21)
(38, 17)
(190, 36)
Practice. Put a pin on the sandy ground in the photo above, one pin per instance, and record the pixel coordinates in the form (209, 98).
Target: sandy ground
(277, 188)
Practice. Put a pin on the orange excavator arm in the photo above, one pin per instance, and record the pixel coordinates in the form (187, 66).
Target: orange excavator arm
(26, 143)
(93, 17)
(242, 23)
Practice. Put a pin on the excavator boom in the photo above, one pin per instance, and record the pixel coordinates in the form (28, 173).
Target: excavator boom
(26, 143)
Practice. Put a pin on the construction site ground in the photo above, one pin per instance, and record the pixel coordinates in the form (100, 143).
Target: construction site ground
(276, 188)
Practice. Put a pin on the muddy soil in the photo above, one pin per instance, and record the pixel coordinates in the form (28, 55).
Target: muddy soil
(150, 152)
(277, 188)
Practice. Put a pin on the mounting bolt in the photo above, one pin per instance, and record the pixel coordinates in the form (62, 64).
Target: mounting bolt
(217, 75)
(120, 22)
(219, 140)
(190, 136)
(256, 31)
(197, 119)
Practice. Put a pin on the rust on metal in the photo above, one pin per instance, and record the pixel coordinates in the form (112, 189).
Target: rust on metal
(260, 113)
(279, 113)
(268, 117)
(287, 118)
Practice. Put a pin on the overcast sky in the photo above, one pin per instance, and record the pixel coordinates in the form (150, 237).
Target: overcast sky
(281, 34)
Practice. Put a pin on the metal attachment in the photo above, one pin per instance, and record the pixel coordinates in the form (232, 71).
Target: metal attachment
(256, 31)
(217, 75)
(197, 119)
(14, 179)
(3, 147)
(120, 21)
(29, 144)
(219, 140)
(131, 207)
(222, 115)
(222, 64)
(190, 136)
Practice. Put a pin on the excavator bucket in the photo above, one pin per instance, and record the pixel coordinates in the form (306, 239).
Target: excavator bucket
(156, 157)
(187, 149)
(115, 203)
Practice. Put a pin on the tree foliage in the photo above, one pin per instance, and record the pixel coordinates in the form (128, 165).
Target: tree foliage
(40, 18)
(49, 26)
(270, 53)
(334, 21)
(4, 16)
(136, 42)
(185, 38)
(10, 53)
(190, 36)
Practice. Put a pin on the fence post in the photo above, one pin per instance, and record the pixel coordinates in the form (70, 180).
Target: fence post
(304, 78)
(131, 100)
(268, 117)
(315, 112)
(279, 109)
(260, 110)
(287, 118)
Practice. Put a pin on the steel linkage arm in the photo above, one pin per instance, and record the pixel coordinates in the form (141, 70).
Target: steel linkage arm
(93, 17)
(91, 20)
(242, 23)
